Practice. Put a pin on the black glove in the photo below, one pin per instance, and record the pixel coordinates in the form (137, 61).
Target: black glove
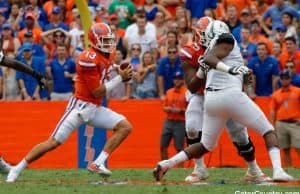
(40, 78)
(235, 70)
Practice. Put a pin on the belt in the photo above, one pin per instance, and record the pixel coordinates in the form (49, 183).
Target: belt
(289, 121)
(212, 90)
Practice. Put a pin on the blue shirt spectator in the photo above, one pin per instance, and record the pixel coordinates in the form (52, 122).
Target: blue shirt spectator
(4, 8)
(56, 20)
(30, 84)
(61, 84)
(265, 68)
(167, 66)
(276, 10)
(197, 9)
(40, 13)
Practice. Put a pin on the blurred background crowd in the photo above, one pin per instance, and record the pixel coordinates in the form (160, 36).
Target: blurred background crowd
(48, 36)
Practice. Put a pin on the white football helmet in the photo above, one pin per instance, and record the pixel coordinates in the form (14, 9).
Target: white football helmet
(215, 29)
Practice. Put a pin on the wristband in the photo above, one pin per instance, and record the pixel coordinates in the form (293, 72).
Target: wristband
(222, 67)
(113, 83)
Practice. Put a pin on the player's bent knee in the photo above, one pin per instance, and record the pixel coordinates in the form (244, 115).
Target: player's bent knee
(124, 127)
(52, 143)
(193, 137)
(247, 151)
(271, 139)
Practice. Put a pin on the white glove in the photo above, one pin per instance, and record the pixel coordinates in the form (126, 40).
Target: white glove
(1, 56)
(200, 74)
(244, 70)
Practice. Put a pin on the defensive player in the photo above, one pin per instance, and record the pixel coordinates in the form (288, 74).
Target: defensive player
(92, 69)
(224, 99)
(190, 55)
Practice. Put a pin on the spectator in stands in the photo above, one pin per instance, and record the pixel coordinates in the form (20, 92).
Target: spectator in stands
(119, 39)
(52, 37)
(2, 19)
(5, 8)
(265, 70)
(285, 115)
(135, 56)
(10, 44)
(113, 19)
(75, 32)
(171, 41)
(119, 92)
(14, 13)
(56, 20)
(62, 70)
(184, 33)
(295, 77)
(245, 20)
(146, 78)
(174, 106)
(39, 13)
(209, 12)
(232, 17)
(152, 7)
(276, 49)
(275, 11)
(101, 14)
(171, 5)
(161, 28)
(256, 35)
(280, 36)
(30, 89)
(287, 20)
(167, 66)
(125, 10)
(37, 51)
(291, 54)
(64, 5)
(30, 21)
(247, 48)
(240, 5)
(80, 46)
(11, 90)
(195, 10)
(147, 40)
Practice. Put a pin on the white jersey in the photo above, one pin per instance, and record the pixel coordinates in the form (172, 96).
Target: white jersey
(219, 80)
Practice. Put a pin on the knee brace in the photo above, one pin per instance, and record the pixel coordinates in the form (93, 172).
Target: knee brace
(195, 139)
(246, 151)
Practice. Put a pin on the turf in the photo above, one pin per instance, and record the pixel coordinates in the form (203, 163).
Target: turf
(140, 181)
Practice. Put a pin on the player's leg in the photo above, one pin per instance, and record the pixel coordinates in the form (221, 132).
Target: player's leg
(242, 109)
(239, 136)
(295, 137)
(4, 166)
(193, 122)
(64, 128)
(165, 139)
(284, 138)
(108, 119)
(212, 128)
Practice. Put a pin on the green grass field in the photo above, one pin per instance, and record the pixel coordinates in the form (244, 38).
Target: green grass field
(140, 181)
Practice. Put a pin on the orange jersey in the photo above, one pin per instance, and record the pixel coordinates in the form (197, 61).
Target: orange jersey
(176, 98)
(191, 53)
(286, 104)
(92, 70)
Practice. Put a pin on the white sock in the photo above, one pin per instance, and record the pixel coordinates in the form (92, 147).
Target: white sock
(178, 158)
(199, 162)
(274, 154)
(21, 166)
(101, 158)
(252, 165)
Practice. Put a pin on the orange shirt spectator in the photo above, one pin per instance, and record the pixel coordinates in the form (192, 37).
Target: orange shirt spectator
(257, 37)
(30, 26)
(239, 4)
(171, 5)
(285, 102)
(175, 103)
(291, 53)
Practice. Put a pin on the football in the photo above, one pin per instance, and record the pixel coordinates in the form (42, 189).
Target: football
(124, 66)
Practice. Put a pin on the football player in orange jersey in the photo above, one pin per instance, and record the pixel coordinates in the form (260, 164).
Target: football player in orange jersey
(190, 56)
(92, 68)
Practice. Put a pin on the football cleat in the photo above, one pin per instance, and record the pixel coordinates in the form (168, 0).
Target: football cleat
(160, 170)
(4, 166)
(282, 176)
(99, 169)
(12, 175)
(256, 176)
(198, 174)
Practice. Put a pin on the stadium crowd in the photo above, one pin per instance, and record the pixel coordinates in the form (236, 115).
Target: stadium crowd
(48, 36)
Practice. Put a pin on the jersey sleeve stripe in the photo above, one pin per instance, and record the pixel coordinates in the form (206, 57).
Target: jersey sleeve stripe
(86, 64)
(184, 52)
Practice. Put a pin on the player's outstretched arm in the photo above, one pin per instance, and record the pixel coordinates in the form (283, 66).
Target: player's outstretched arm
(17, 65)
